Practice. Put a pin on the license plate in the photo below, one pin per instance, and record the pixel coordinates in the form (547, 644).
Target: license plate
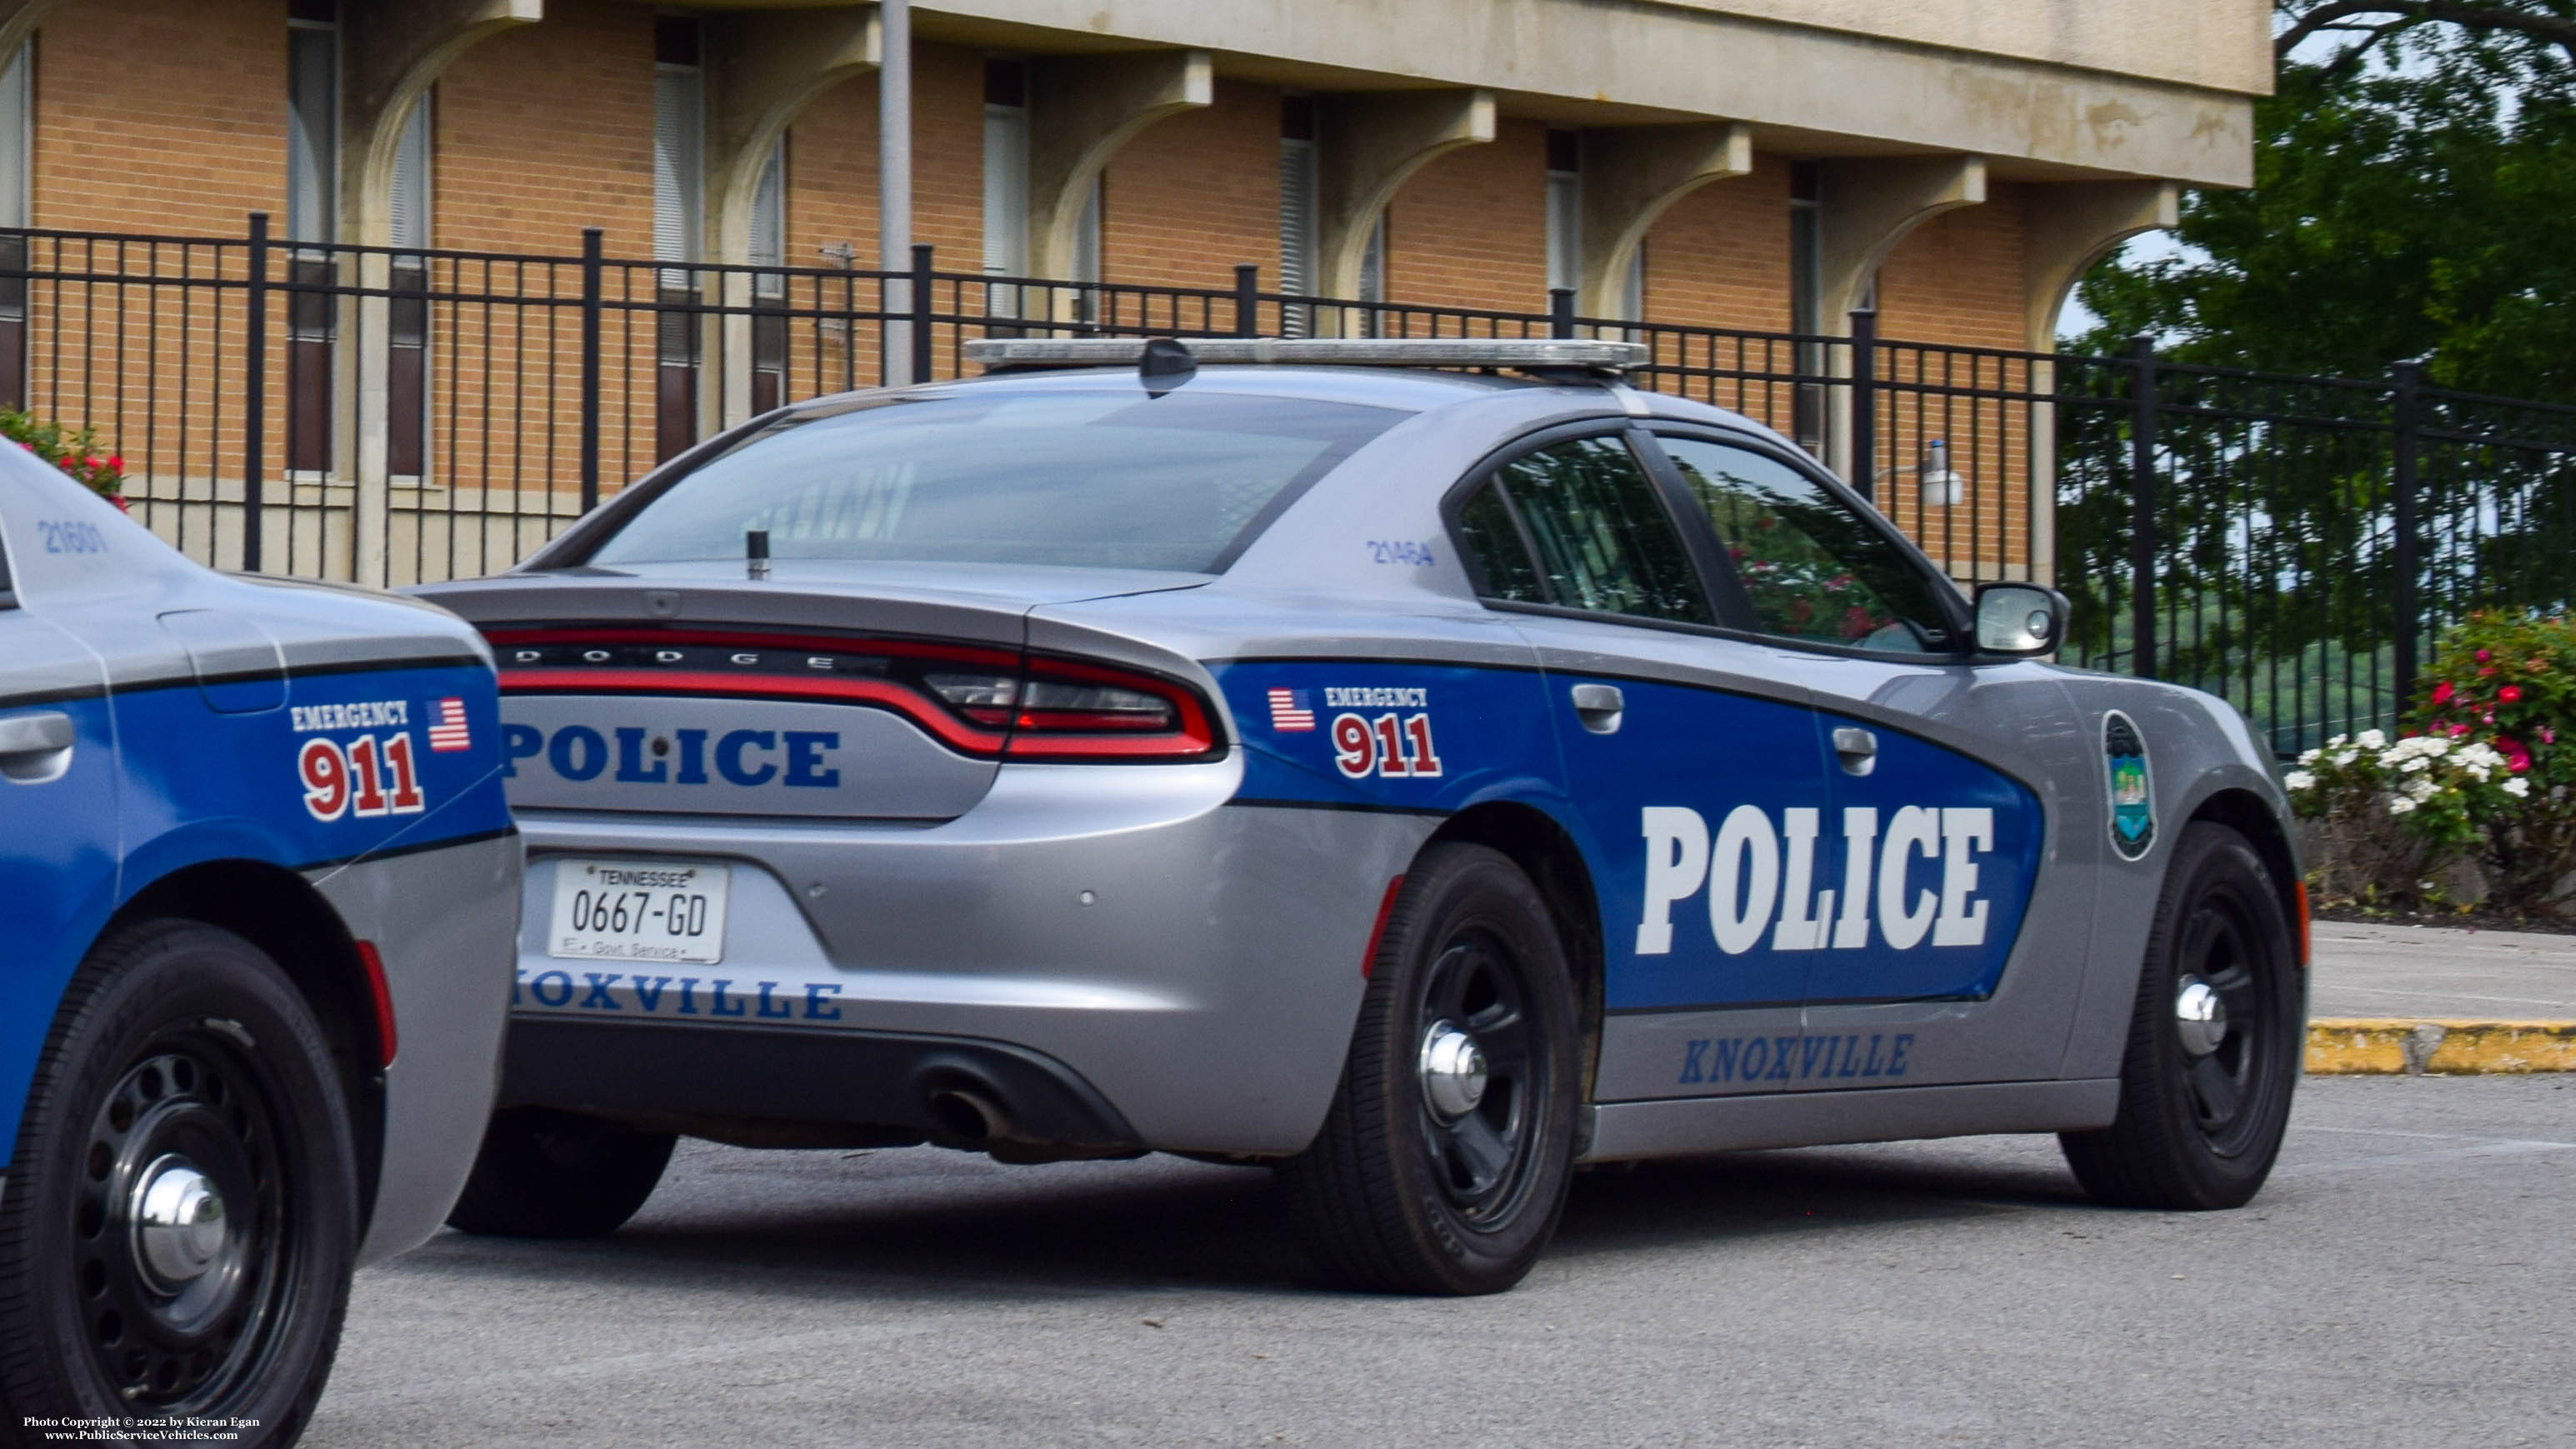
(625, 910)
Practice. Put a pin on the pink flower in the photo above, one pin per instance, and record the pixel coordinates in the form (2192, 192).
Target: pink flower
(116, 462)
(2442, 692)
(2483, 673)
(2516, 758)
(2510, 693)
(2548, 736)
(2458, 730)
(2482, 656)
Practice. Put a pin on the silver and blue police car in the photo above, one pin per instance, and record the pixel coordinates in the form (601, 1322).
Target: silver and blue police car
(258, 897)
(1424, 766)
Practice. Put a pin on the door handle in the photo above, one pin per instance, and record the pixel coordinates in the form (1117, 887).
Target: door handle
(1856, 748)
(1598, 707)
(35, 748)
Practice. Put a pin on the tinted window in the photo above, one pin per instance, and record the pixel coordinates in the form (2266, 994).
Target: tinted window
(1495, 555)
(1110, 479)
(1816, 570)
(1603, 540)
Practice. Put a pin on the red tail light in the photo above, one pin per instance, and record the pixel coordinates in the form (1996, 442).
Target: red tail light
(985, 702)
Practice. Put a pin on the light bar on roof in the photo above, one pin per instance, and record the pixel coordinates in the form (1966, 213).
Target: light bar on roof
(1516, 352)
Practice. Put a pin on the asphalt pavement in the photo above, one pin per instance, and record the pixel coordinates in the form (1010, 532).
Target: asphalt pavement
(2401, 1281)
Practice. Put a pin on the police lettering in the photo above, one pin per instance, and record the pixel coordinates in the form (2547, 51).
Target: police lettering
(1764, 886)
(792, 759)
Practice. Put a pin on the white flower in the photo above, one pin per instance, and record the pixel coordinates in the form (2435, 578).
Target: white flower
(2346, 758)
(2371, 740)
(2414, 765)
(2310, 757)
(2338, 739)
(2400, 805)
(2299, 779)
(2517, 787)
(2421, 789)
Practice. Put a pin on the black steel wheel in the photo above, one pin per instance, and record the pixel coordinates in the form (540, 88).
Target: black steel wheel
(181, 1220)
(2214, 1040)
(549, 1174)
(1443, 1163)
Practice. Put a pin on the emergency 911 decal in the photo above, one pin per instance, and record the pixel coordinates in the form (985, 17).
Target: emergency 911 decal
(2133, 796)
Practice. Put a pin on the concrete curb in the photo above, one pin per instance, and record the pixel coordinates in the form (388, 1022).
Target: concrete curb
(2349, 1045)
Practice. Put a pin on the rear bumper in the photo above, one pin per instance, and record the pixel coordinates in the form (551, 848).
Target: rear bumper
(890, 1086)
(1194, 964)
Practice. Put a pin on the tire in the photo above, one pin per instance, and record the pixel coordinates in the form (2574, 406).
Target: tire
(2201, 1120)
(549, 1174)
(181, 1064)
(1417, 1184)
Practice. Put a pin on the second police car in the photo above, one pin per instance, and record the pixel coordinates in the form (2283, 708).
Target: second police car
(258, 888)
(1425, 781)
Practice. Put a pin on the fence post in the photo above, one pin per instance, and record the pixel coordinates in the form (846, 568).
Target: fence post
(1560, 311)
(2405, 381)
(921, 312)
(2143, 543)
(1247, 300)
(1864, 403)
(255, 394)
(591, 274)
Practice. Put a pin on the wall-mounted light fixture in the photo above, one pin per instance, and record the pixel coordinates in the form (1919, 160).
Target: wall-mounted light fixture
(1941, 487)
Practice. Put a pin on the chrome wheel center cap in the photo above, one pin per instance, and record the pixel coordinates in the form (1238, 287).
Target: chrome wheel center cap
(178, 1222)
(2199, 1016)
(1453, 1071)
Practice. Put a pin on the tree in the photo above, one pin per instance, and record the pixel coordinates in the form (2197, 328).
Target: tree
(2415, 179)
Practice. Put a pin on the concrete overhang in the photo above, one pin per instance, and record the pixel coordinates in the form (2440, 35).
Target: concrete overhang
(1805, 88)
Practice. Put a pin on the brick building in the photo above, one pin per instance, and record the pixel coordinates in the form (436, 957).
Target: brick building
(1756, 164)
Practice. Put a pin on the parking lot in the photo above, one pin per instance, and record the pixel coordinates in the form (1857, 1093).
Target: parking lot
(2398, 1282)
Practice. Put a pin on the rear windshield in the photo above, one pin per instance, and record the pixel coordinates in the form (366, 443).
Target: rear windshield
(1107, 479)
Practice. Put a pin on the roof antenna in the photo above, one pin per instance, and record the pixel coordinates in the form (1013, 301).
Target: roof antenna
(1166, 364)
(755, 552)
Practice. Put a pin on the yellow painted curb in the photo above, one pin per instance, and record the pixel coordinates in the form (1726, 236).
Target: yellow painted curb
(2346, 1046)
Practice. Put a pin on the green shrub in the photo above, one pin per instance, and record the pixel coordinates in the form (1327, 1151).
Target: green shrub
(2510, 680)
(75, 453)
(2484, 774)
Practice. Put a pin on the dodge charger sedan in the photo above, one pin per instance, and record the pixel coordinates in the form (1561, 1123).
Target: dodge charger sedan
(1422, 766)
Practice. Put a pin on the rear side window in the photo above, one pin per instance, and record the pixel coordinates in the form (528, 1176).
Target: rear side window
(1599, 539)
(1816, 571)
(1107, 478)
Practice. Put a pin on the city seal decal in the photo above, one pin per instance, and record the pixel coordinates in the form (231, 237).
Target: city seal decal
(2133, 800)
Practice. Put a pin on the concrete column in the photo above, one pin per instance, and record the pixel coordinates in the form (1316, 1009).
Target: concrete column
(764, 68)
(1082, 109)
(391, 52)
(1631, 176)
(2071, 226)
(1369, 144)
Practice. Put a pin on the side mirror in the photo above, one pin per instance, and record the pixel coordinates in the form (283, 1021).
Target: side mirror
(2020, 620)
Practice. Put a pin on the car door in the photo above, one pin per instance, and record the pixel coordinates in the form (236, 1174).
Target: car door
(1696, 775)
(58, 841)
(1959, 945)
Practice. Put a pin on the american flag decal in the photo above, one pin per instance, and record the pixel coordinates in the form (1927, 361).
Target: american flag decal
(1289, 711)
(449, 732)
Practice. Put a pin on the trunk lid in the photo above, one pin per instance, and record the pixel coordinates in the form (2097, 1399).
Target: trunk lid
(853, 691)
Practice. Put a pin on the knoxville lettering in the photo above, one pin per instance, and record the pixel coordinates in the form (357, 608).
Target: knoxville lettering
(1794, 1057)
(647, 994)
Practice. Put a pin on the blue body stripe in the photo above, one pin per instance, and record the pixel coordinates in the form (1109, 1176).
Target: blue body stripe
(1944, 849)
(163, 780)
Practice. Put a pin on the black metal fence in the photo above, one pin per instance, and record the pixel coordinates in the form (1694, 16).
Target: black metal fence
(395, 416)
